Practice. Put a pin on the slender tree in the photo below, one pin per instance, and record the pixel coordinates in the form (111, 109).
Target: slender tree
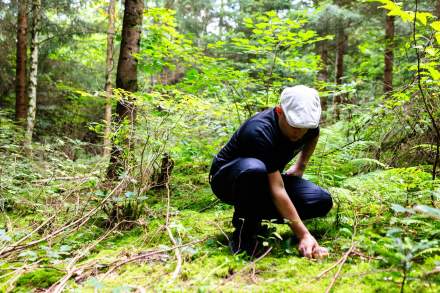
(126, 75)
(108, 83)
(389, 55)
(21, 102)
(437, 9)
(33, 74)
(341, 44)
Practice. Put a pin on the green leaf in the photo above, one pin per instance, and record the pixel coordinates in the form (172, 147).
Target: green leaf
(423, 16)
(436, 25)
(277, 235)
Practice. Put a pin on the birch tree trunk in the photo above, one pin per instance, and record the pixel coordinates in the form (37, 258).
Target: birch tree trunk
(21, 102)
(389, 55)
(33, 74)
(126, 77)
(108, 83)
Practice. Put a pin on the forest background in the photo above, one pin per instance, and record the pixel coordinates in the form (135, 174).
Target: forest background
(111, 112)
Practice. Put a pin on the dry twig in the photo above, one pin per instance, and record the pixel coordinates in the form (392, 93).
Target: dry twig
(342, 260)
(170, 234)
(71, 269)
(147, 255)
(75, 224)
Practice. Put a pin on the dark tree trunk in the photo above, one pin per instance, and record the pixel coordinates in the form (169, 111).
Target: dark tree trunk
(126, 76)
(165, 171)
(389, 56)
(341, 42)
(21, 101)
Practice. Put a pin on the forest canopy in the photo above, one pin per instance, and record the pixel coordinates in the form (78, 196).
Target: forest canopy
(111, 113)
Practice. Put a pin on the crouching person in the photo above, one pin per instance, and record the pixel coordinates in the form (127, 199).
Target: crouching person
(248, 172)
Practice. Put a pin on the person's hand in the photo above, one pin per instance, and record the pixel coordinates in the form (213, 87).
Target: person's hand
(320, 253)
(296, 170)
(309, 247)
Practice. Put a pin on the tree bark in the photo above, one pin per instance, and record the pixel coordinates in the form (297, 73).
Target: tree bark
(437, 10)
(126, 77)
(323, 71)
(33, 74)
(389, 56)
(221, 23)
(108, 75)
(21, 101)
(341, 42)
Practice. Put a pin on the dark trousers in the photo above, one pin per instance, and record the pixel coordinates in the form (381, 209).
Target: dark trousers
(244, 183)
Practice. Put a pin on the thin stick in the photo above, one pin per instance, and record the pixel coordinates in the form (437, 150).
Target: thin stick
(170, 233)
(65, 178)
(78, 223)
(344, 257)
(71, 269)
(341, 263)
(329, 269)
(29, 235)
(148, 254)
(252, 263)
(221, 230)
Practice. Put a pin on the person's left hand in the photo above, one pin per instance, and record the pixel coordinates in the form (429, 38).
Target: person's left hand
(295, 170)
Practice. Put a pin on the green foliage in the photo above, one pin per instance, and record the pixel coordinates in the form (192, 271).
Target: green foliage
(273, 49)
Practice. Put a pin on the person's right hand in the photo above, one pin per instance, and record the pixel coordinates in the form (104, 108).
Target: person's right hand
(309, 247)
(320, 253)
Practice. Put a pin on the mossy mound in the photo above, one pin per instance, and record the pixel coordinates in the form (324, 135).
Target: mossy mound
(40, 278)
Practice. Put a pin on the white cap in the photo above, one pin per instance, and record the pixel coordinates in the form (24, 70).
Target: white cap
(301, 106)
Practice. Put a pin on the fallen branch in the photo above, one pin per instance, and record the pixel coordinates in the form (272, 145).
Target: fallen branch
(65, 178)
(148, 254)
(76, 224)
(251, 264)
(29, 235)
(343, 259)
(341, 263)
(71, 269)
(213, 203)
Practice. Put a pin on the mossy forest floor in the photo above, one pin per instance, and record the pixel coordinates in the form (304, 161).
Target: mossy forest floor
(390, 241)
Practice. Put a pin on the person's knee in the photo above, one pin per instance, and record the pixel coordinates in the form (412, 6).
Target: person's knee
(251, 181)
(253, 165)
(325, 203)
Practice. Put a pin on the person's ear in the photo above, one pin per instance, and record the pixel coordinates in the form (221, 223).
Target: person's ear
(278, 110)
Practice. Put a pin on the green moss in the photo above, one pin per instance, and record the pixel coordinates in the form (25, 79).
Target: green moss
(40, 278)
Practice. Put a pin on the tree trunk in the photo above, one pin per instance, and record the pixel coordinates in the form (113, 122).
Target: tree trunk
(323, 71)
(126, 76)
(341, 42)
(221, 23)
(108, 83)
(437, 10)
(21, 102)
(33, 74)
(389, 45)
(169, 4)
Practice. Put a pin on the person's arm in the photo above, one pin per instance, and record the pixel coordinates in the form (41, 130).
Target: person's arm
(304, 156)
(308, 246)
